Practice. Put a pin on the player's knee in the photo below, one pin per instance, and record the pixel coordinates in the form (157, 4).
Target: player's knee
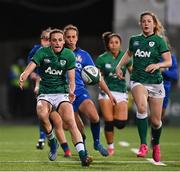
(120, 124)
(109, 126)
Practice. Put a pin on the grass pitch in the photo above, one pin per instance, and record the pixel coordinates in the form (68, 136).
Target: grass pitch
(18, 152)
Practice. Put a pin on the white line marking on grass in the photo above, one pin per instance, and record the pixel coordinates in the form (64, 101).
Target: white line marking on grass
(123, 143)
(134, 150)
(97, 161)
(155, 163)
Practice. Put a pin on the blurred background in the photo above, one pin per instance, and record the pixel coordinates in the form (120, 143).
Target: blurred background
(23, 20)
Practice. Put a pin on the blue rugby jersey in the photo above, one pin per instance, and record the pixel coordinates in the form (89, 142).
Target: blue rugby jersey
(83, 59)
(31, 54)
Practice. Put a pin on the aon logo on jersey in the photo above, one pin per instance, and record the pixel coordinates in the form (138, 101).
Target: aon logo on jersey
(140, 53)
(53, 71)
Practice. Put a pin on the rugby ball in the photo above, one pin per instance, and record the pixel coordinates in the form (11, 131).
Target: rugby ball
(90, 75)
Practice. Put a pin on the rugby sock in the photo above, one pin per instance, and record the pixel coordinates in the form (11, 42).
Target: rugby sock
(65, 146)
(95, 129)
(111, 146)
(50, 136)
(142, 124)
(42, 133)
(84, 141)
(156, 133)
(80, 149)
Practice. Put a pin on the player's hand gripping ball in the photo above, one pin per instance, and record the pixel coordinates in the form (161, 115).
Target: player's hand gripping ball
(90, 75)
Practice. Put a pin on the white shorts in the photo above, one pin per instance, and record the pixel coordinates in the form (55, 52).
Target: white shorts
(154, 90)
(54, 99)
(118, 96)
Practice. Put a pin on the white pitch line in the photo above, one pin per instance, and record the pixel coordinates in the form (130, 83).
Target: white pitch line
(131, 162)
(134, 150)
(123, 143)
(149, 159)
(155, 163)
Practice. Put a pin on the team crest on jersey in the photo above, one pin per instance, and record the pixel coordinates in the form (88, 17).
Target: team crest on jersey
(151, 44)
(108, 66)
(136, 43)
(62, 62)
(78, 58)
(47, 60)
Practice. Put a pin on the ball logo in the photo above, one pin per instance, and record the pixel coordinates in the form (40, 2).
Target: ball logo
(90, 75)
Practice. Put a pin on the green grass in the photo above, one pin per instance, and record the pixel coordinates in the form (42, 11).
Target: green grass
(18, 152)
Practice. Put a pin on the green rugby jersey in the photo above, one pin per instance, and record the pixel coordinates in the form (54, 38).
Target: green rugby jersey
(146, 51)
(53, 68)
(107, 64)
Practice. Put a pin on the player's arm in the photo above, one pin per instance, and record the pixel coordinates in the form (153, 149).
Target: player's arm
(28, 70)
(37, 81)
(105, 88)
(71, 77)
(167, 62)
(122, 62)
(172, 72)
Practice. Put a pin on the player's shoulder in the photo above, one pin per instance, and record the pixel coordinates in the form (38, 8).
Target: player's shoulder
(67, 51)
(81, 51)
(103, 55)
(136, 36)
(36, 46)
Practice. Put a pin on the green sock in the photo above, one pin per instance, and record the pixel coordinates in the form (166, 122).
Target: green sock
(142, 125)
(156, 133)
(50, 135)
(81, 154)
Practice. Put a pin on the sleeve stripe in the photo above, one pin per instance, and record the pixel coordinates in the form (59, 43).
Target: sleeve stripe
(72, 68)
(34, 62)
(164, 51)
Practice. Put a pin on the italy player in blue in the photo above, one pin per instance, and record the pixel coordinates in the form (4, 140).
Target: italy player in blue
(55, 118)
(44, 41)
(170, 75)
(83, 102)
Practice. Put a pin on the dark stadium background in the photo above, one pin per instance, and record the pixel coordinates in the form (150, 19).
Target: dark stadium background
(23, 20)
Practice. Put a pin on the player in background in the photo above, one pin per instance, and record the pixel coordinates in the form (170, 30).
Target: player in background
(114, 115)
(170, 75)
(146, 83)
(54, 117)
(83, 102)
(55, 62)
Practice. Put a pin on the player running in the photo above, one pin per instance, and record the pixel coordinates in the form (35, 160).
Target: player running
(54, 63)
(146, 79)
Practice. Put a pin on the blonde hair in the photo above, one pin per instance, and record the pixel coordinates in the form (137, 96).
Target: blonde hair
(71, 27)
(55, 31)
(43, 33)
(158, 29)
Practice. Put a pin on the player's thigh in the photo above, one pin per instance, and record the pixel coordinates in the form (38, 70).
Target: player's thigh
(121, 111)
(43, 109)
(106, 109)
(140, 96)
(66, 112)
(56, 119)
(155, 106)
(88, 108)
